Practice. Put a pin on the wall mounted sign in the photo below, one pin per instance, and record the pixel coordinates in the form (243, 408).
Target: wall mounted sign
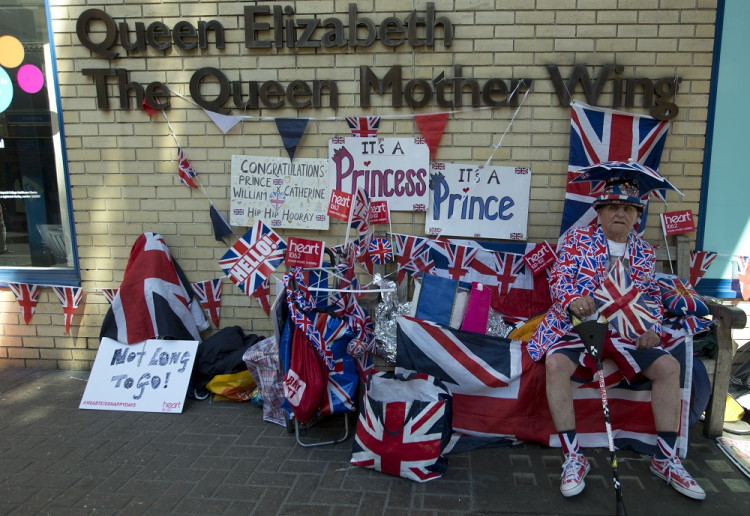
(477, 202)
(285, 194)
(394, 169)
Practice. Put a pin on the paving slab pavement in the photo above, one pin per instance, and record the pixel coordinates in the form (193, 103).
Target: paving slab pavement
(222, 458)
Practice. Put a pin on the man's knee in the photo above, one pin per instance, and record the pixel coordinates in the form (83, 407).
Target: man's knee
(666, 366)
(558, 365)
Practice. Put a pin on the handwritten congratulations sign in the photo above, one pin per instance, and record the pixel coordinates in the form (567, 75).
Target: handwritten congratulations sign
(395, 169)
(151, 376)
(468, 200)
(283, 193)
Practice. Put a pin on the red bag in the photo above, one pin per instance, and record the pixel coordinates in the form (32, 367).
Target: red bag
(305, 382)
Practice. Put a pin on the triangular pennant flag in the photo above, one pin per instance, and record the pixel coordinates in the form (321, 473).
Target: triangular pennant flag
(148, 109)
(363, 126)
(221, 226)
(263, 294)
(209, 295)
(110, 293)
(225, 123)
(70, 298)
(743, 265)
(432, 126)
(290, 130)
(699, 262)
(185, 169)
(27, 296)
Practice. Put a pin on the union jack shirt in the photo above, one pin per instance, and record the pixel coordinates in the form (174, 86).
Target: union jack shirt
(580, 269)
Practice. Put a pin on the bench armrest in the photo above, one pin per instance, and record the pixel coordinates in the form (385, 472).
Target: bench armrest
(727, 318)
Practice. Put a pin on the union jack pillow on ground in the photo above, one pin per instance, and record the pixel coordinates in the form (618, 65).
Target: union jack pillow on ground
(679, 297)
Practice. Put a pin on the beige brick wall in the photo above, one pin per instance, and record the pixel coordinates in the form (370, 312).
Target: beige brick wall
(122, 165)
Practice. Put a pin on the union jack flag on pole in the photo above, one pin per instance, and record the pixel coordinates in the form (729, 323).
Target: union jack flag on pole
(699, 263)
(185, 169)
(27, 296)
(381, 251)
(622, 304)
(363, 126)
(70, 298)
(598, 135)
(209, 295)
(254, 257)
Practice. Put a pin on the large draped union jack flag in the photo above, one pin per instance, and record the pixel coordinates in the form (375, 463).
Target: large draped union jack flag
(498, 391)
(252, 259)
(70, 298)
(598, 135)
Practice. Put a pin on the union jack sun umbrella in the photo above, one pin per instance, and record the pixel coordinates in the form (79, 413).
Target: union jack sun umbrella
(645, 178)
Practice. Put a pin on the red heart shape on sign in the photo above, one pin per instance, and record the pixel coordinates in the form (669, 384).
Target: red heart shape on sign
(367, 163)
(466, 190)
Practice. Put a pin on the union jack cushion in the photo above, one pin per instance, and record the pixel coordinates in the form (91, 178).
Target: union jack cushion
(679, 297)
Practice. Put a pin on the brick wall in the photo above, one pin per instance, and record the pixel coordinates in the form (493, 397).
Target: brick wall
(122, 164)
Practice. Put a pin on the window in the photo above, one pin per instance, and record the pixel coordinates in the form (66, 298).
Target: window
(36, 235)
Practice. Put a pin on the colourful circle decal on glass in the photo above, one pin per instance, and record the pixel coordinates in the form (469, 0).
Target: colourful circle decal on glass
(11, 52)
(6, 90)
(30, 78)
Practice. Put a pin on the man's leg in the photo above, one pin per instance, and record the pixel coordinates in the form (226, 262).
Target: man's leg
(559, 369)
(664, 374)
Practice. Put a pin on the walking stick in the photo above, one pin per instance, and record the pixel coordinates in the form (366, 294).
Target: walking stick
(592, 334)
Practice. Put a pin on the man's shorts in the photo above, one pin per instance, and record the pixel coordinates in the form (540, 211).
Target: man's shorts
(629, 359)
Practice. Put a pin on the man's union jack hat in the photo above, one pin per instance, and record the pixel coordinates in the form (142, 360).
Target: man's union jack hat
(620, 191)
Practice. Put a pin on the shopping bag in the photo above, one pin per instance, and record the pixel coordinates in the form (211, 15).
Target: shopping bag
(404, 425)
(442, 300)
(262, 360)
(233, 386)
(305, 381)
(477, 309)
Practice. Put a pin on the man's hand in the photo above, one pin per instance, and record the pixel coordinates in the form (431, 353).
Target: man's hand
(648, 340)
(582, 306)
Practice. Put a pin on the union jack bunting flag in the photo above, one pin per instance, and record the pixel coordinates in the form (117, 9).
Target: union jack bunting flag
(110, 294)
(252, 259)
(363, 126)
(209, 295)
(27, 296)
(622, 304)
(743, 275)
(381, 251)
(699, 263)
(598, 135)
(403, 438)
(452, 260)
(263, 295)
(185, 169)
(70, 298)
(412, 256)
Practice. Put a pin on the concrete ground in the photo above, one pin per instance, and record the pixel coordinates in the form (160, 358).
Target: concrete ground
(222, 458)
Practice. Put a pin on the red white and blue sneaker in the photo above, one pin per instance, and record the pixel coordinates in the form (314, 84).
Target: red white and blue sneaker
(675, 474)
(575, 469)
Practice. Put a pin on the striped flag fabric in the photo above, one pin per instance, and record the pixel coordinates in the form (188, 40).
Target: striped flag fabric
(70, 298)
(27, 296)
(110, 293)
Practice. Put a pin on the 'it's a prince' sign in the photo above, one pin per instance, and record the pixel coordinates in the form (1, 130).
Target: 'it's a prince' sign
(478, 202)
